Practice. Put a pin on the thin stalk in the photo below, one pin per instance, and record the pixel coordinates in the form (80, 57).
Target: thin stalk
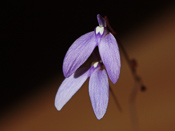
(137, 79)
(115, 99)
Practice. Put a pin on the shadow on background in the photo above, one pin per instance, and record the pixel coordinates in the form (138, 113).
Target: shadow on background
(35, 37)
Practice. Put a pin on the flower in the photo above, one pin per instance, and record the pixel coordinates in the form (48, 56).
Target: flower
(98, 88)
(83, 47)
(77, 54)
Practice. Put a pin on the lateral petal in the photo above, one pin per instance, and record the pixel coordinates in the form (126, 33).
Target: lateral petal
(99, 92)
(78, 53)
(110, 56)
(70, 86)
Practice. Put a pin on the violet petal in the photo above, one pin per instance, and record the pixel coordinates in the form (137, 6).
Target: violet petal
(110, 56)
(70, 86)
(99, 92)
(78, 53)
(101, 20)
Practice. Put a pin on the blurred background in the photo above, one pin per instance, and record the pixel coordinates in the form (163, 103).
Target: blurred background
(34, 38)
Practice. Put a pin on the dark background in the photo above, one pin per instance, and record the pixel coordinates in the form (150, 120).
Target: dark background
(35, 36)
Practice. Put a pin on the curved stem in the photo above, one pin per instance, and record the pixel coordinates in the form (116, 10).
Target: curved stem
(137, 79)
(132, 108)
(115, 99)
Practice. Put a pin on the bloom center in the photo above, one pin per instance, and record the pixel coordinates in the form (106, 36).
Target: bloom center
(99, 29)
(95, 64)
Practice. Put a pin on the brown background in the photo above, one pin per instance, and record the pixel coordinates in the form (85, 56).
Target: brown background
(153, 45)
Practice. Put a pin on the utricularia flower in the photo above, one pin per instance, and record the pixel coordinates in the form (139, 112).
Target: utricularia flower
(77, 54)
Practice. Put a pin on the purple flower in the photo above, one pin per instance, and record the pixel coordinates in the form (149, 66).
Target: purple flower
(98, 88)
(83, 47)
(77, 54)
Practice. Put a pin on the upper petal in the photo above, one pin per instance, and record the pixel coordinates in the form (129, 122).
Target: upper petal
(78, 53)
(99, 92)
(70, 86)
(110, 56)
(101, 20)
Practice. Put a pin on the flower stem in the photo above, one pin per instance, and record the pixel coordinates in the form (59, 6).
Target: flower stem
(138, 81)
(132, 107)
(115, 99)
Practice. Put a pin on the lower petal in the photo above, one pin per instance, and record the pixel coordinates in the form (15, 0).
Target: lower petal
(70, 86)
(99, 92)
